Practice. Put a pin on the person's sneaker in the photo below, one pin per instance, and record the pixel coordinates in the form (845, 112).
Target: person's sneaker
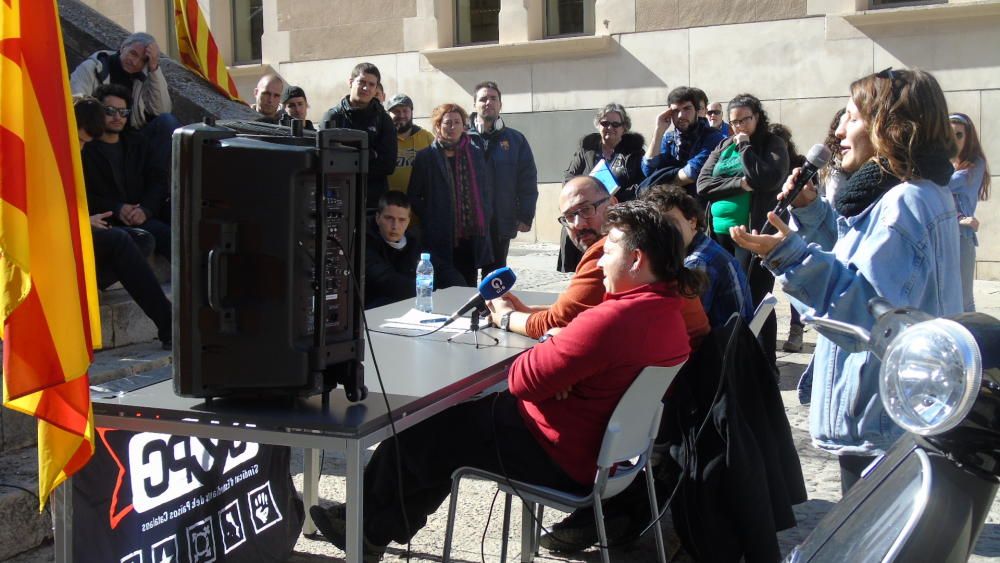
(794, 342)
(578, 531)
(332, 523)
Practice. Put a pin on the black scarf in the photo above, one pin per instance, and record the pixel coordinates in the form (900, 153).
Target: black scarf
(871, 182)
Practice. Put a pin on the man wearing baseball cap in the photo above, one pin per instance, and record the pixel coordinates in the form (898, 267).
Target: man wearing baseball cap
(295, 106)
(410, 139)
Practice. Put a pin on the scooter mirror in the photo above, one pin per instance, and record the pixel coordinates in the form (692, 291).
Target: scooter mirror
(840, 327)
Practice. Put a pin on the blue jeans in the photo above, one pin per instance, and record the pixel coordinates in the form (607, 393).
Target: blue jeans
(967, 248)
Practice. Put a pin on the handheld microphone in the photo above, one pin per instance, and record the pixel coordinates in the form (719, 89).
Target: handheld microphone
(819, 155)
(495, 284)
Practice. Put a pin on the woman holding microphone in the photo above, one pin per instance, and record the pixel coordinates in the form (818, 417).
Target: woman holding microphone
(891, 231)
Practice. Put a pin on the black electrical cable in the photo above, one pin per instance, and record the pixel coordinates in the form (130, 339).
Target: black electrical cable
(29, 491)
(385, 398)
(489, 516)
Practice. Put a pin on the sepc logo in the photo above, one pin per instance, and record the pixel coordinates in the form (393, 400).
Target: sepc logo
(164, 467)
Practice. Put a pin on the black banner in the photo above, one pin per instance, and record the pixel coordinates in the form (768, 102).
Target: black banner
(152, 498)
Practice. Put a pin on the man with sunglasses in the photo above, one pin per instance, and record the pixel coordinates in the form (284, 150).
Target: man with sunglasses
(584, 204)
(136, 67)
(715, 118)
(121, 175)
(676, 156)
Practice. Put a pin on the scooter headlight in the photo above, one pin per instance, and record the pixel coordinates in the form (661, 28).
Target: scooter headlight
(930, 377)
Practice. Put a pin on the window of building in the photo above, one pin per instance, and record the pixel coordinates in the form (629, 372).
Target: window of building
(477, 21)
(248, 26)
(569, 17)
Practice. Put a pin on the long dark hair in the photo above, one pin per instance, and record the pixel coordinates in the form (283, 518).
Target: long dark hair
(972, 151)
(646, 228)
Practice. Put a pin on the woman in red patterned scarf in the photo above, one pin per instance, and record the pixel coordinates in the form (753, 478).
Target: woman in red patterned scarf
(452, 193)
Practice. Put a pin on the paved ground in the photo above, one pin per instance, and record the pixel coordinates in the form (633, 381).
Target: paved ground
(478, 527)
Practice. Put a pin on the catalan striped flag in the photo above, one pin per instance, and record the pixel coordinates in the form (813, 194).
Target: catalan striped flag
(198, 49)
(48, 294)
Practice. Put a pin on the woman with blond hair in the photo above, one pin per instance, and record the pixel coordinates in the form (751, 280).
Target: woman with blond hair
(891, 231)
(452, 194)
(970, 184)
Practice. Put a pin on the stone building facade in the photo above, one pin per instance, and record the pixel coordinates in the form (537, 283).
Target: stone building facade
(799, 56)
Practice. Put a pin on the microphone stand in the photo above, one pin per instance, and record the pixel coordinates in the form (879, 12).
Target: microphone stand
(474, 317)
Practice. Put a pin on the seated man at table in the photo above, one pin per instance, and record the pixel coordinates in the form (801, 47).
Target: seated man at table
(391, 252)
(584, 204)
(548, 427)
(728, 290)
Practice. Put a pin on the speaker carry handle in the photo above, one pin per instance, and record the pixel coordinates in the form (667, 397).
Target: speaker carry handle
(218, 274)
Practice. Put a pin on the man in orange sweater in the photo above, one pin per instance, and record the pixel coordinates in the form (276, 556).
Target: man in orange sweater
(583, 203)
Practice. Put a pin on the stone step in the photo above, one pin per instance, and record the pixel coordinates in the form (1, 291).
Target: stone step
(122, 321)
(24, 528)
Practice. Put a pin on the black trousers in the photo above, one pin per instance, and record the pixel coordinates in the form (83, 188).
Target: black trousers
(501, 246)
(489, 434)
(119, 259)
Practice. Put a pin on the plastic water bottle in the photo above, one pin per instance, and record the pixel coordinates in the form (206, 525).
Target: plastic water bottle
(425, 284)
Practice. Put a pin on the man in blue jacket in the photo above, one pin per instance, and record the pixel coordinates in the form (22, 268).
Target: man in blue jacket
(515, 178)
(676, 157)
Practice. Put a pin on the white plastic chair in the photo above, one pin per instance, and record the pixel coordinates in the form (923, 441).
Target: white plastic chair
(629, 436)
(763, 311)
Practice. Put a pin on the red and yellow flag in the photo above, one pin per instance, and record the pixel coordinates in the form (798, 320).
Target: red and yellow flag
(198, 49)
(48, 294)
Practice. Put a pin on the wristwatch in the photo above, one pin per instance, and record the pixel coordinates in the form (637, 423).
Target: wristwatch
(505, 321)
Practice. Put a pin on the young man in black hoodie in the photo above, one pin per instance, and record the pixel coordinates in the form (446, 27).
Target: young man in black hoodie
(361, 110)
(391, 252)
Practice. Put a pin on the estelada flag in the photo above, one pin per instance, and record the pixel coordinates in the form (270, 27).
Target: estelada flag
(48, 293)
(198, 49)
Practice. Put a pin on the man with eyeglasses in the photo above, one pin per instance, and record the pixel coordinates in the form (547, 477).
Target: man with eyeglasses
(584, 204)
(676, 157)
(362, 111)
(120, 174)
(715, 118)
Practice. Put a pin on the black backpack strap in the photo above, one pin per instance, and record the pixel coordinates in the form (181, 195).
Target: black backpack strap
(103, 72)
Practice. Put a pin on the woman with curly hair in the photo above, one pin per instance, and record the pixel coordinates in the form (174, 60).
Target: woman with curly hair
(741, 179)
(891, 231)
(452, 193)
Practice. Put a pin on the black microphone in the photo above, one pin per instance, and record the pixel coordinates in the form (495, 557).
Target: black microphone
(495, 284)
(818, 157)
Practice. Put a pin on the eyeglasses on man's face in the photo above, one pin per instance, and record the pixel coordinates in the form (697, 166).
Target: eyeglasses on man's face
(585, 211)
(611, 124)
(111, 111)
(714, 112)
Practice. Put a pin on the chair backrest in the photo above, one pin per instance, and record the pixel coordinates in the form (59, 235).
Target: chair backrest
(763, 311)
(635, 421)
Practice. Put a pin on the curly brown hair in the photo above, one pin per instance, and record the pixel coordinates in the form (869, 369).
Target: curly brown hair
(907, 117)
(444, 109)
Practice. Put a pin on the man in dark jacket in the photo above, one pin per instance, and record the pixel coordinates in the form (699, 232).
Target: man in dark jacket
(361, 111)
(676, 157)
(515, 178)
(121, 175)
(391, 252)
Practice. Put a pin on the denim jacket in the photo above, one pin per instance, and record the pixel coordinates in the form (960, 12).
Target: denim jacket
(964, 186)
(904, 248)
